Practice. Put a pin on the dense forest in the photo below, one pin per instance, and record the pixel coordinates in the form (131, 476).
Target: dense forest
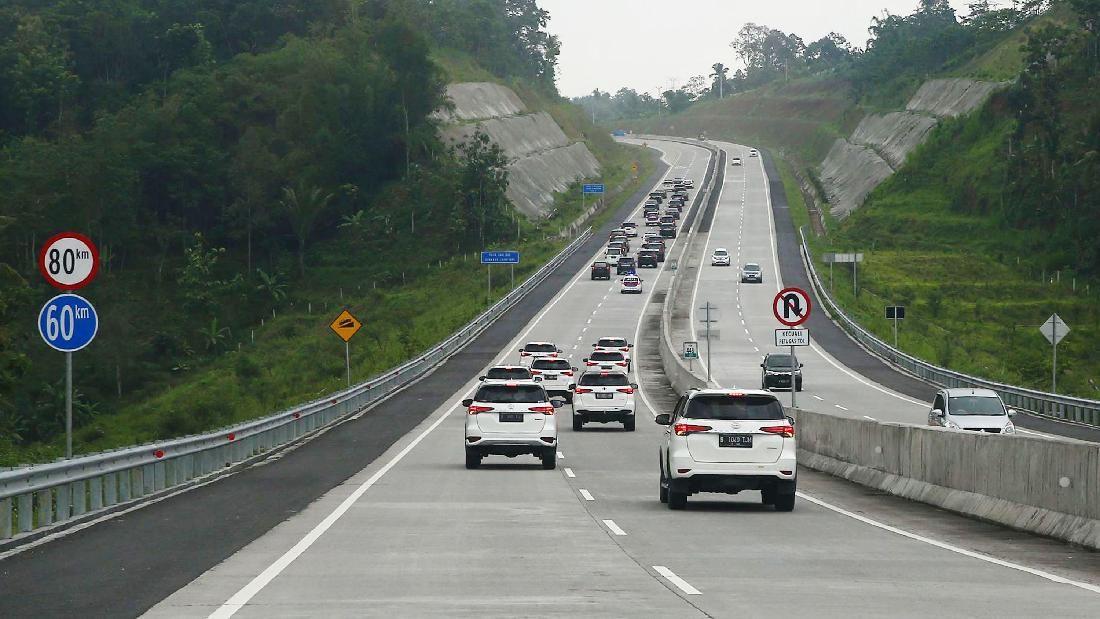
(211, 147)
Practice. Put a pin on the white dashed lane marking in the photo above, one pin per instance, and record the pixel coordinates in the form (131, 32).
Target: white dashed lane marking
(680, 583)
(569, 472)
(610, 524)
(587, 495)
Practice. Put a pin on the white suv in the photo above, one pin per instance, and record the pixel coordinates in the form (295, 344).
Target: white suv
(537, 350)
(511, 419)
(602, 397)
(726, 441)
(606, 344)
(612, 360)
(556, 376)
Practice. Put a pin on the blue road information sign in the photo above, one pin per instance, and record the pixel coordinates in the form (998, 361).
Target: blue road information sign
(592, 188)
(500, 257)
(68, 322)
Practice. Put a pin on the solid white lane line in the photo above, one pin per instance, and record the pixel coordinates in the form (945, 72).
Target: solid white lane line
(950, 547)
(819, 398)
(587, 495)
(837, 405)
(246, 593)
(610, 524)
(569, 472)
(680, 583)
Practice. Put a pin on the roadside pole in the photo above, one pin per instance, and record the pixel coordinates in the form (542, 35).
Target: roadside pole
(68, 405)
(345, 326)
(794, 383)
(347, 359)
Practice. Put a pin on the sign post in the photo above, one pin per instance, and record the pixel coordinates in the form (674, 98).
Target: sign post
(1054, 329)
(791, 307)
(853, 259)
(895, 313)
(68, 261)
(590, 188)
(691, 351)
(345, 326)
(708, 321)
(489, 258)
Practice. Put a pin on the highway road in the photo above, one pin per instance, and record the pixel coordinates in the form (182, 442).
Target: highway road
(416, 534)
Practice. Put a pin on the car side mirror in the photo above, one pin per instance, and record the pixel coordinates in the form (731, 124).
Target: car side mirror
(572, 386)
(559, 351)
(801, 365)
(557, 402)
(574, 368)
(1011, 412)
(634, 385)
(481, 378)
(467, 402)
(761, 365)
(519, 350)
(585, 360)
(664, 419)
(630, 345)
(937, 412)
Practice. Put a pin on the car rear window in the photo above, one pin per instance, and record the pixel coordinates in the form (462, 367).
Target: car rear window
(604, 380)
(606, 356)
(779, 362)
(503, 394)
(550, 364)
(611, 342)
(720, 252)
(540, 348)
(746, 408)
(599, 265)
(508, 374)
(752, 267)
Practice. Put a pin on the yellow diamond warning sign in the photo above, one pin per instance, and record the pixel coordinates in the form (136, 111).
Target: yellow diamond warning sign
(346, 325)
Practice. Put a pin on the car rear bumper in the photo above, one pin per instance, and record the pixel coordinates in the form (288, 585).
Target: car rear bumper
(732, 484)
(605, 416)
(505, 445)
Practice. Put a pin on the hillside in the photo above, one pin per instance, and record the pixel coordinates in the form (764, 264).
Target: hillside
(241, 199)
(985, 229)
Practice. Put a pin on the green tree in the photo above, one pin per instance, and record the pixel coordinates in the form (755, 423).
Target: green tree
(303, 206)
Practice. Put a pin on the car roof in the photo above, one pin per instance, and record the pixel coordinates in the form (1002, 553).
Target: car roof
(964, 391)
(751, 264)
(539, 342)
(698, 392)
(611, 337)
(519, 382)
(507, 367)
(721, 249)
(608, 372)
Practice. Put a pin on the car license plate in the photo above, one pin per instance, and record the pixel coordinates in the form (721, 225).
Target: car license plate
(511, 417)
(735, 440)
(550, 376)
(604, 396)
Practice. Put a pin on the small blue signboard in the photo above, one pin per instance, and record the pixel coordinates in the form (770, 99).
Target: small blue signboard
(592, 188)
(500, 257)
(68, 322)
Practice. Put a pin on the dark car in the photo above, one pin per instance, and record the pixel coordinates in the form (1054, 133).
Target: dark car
(625, 266)
(652, 203)
(601, 270)
(775, 372)
(668, 231)
(667, 219)
(647, 259)
(658, 196)
(658, 248)
(674, 212)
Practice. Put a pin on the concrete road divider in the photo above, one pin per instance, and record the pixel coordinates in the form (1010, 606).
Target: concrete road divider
(1049, 487)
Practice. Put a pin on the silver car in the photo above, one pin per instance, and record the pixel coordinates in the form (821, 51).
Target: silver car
(751, 273)
(977, 410)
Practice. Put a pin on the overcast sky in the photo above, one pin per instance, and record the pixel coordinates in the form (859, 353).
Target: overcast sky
(642, 44)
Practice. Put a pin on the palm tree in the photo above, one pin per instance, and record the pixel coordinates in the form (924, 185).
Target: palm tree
(272, 285)
(213, 336)
(719, 75)
(303, 206)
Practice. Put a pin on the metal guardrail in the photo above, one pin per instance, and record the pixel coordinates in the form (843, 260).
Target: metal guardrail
(42, 495)
(1066, 408)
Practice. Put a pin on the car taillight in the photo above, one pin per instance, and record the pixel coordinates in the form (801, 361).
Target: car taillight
(591, 362)
(536, 371)
(684, 429)
(582, 390)
(545, 410)
(784, 430)
(625, 390)
(622, 363)
(625, 349)
(567, 373)
(477, 408)
(523, 353)
(554, 354)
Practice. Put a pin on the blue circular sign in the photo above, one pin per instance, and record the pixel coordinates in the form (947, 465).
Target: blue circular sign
(68, 322)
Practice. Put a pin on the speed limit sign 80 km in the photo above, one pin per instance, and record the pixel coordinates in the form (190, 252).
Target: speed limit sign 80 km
(69, 261)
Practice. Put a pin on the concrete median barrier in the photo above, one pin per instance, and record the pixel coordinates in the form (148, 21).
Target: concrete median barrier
(1045, 486)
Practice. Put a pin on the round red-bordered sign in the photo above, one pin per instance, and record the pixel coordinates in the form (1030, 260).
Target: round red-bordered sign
(69, 261)
(792, 306)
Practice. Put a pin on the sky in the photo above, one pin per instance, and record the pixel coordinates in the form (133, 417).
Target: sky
(643, 44)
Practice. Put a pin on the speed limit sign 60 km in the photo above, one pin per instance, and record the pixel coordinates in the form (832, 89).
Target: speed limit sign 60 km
(68, 322)
(69, 261)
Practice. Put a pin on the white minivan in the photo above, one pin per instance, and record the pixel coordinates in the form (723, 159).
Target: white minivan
(977, 410)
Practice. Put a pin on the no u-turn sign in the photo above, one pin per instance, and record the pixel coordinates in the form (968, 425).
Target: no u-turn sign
(791, 307)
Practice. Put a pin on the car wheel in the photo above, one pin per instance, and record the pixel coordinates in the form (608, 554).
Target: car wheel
(473, 459)
(798, 386)
(663, 488)
(767, 497)
(578, 422)
(550, 458)
(677, 500)
(628, 424)
(784, 502)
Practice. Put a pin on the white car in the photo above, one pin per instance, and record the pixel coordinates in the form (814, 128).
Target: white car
(556, 376)
(507, 372)
(977, 410)
(602, 397)
(537, 350)
(720, 258)
(631, 229)
(631, 284)
(751, 273)
(612, 254)
(736, 161)
(726, 441)
(690, 183)
(605, 344)
(611, 360)
(511, 419)
(753, 153)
